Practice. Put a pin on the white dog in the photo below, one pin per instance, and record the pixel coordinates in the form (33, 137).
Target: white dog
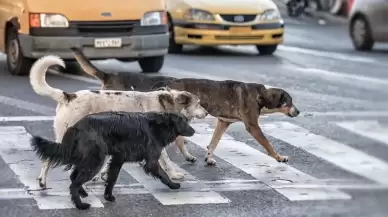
(72, 107)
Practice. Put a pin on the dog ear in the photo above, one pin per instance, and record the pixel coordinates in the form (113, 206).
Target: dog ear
(260, 100)
(183, 98)
(166, 102)
(267, 99)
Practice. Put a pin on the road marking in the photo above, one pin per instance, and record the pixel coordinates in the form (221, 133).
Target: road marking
(263, 167)
(326, 54)
(16, 152)
(370, 129)
(307, 114)
(319, 53)
(335, 76)
(359, 114)
(334, 152)
(218, 186)
(167, 196)
(26, 118)
(26, 105)
(14, 193)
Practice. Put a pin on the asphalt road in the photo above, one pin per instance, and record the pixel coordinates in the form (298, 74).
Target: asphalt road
(338, 146)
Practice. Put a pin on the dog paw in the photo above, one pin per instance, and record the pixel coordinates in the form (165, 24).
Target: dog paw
(191, 159)
(109, 197)
(177, 175)
(42, 184)
(173, 185)
(210, 161)
(282, 159)
(83, 206)
(83, 193)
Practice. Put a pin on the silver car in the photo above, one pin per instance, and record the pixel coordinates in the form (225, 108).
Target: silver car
(368, 23)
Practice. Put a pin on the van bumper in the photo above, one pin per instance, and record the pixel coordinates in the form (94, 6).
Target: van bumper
(136, 46)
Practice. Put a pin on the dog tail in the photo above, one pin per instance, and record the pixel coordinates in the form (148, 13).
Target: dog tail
(55, 153)
(38, 77)
(86, 65)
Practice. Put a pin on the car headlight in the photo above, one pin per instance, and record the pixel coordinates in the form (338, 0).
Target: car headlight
(270, 15)
(154, 18)
(196, 14)
(48, 21)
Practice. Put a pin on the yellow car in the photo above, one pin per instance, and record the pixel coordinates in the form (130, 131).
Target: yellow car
(225, 22)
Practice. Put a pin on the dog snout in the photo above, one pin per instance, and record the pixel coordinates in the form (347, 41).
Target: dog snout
(293, 112)
(202, 113)
(189, 131)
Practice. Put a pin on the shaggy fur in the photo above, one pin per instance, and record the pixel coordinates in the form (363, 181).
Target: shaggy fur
(72, 107)
(127, 137)
(229, 101)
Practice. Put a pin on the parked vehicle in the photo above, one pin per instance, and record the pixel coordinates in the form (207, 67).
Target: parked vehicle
(295, 8)
(368, 23)
(233, 22)
(128, 30)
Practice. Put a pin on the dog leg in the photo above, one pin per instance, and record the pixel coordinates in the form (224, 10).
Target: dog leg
(156, 170)
(256, 132)
(169, 166)
(181, 143)
(103, 174)
(81, 190)
(75, 187)
(113, 173)
(218, 132)
(43, 175)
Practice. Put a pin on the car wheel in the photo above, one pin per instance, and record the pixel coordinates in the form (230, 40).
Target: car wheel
(151, 64)
(173, 47)
(266, 49)
(361, 34)
(16, 62)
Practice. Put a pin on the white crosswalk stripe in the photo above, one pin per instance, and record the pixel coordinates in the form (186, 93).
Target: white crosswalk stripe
(262, 166)
(267, 174)
(370, 129)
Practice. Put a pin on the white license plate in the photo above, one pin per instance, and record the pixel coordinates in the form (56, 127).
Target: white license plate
(107, 42)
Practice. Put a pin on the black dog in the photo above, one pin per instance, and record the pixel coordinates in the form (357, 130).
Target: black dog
(127, 137)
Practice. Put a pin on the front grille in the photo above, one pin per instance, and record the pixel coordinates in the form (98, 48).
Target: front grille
(246, 37)
(238, 18)
(92, 28)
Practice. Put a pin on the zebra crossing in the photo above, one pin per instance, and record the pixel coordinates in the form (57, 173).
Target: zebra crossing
(260, 171)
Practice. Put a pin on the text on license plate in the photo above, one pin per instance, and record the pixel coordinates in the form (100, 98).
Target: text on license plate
(107, 42)
(244, 29)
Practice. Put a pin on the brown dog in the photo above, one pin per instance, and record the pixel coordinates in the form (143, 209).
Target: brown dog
(228, 101)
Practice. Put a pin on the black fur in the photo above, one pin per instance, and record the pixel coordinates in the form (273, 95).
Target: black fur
(127, 137)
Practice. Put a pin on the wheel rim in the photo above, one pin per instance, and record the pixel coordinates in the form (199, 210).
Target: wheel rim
(13, 53)
(359, 31)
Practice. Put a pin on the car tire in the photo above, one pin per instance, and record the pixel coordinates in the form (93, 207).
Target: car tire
(151, 64)
(16, 62)
(266, 49)
(361, 34)
(173, 46)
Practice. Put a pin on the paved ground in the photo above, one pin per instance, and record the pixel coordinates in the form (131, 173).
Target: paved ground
(338, 146)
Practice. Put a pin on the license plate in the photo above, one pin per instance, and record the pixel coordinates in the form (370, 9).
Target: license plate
(245, 29)
(107, 42)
